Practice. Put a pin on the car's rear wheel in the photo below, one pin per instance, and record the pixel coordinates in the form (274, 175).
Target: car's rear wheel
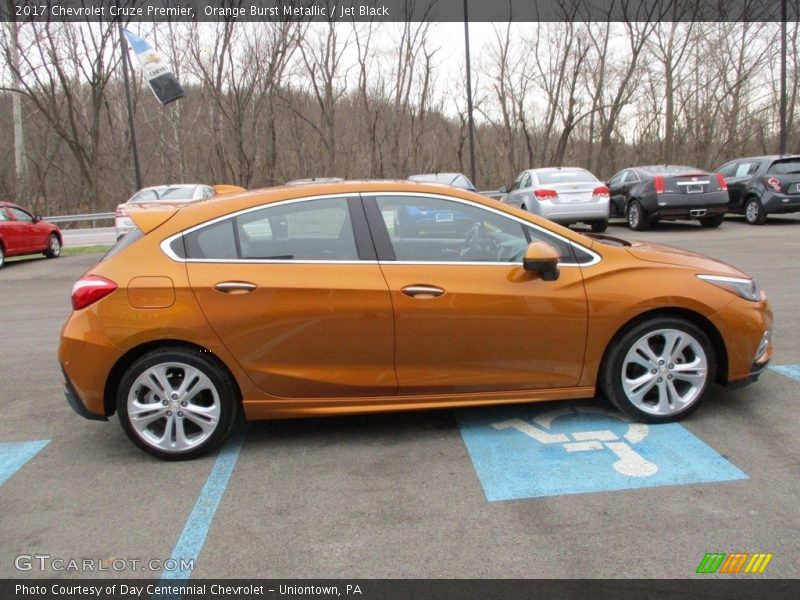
(53, 247)
(2, 256)
(636, 217)
(754, 212)
(599, 226)
(176, 404)
(712, 222)
(659, 370)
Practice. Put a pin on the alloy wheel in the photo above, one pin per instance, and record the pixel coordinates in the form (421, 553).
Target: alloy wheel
(173, 407)
(664, 372)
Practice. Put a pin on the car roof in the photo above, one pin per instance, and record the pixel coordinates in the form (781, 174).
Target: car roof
(767, 157)
(551, 169)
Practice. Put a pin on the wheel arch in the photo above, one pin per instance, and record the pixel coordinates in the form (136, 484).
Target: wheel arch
(126, 360)
(697, 319)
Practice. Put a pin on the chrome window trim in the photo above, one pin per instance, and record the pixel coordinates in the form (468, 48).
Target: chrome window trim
(166, 249)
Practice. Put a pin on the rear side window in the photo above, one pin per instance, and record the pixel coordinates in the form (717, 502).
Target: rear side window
(307, 230)
(214, 241)
(783, 167)
(126, 240)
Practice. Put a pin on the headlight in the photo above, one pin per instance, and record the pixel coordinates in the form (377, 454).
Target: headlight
(741, 286)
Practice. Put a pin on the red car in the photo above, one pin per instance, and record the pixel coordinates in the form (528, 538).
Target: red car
(24, 233)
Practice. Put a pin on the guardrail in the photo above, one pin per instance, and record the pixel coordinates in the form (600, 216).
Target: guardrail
(91, 218)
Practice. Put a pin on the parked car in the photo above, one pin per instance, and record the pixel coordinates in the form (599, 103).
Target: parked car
(303, 301)
(458, 180)
(564, 195)
(645, 195)
(24, 233)
(763, 185)
(166, 194)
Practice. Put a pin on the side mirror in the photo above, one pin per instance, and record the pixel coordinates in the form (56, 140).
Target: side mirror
(503, 189)
(37, 218)
(542, 258)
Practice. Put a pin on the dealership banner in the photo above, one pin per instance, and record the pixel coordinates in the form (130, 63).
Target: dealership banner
(396, 589)
(156, 69)
(126, 11)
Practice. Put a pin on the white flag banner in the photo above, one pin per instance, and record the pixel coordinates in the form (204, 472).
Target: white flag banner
(156, 69)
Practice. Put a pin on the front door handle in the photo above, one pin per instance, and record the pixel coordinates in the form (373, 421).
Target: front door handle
(422, 291)
(235, 287)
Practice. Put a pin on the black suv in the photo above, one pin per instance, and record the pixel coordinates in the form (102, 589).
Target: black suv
(763, 185)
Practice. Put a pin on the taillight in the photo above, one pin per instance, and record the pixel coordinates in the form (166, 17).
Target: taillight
(658, 181)
(774, 183)
(723, 185)
(600, 191)
(545, 194)
(121, 212)
(89, 289)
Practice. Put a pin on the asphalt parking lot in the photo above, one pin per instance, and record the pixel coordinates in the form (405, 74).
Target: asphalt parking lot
(401, 495)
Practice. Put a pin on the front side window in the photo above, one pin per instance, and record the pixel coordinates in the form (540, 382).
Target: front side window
(728, 169)
(423, 229)
(306, 230)
(21, 215)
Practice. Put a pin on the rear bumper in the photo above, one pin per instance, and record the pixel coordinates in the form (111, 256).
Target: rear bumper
(75, 402)
(573, 213)
(774, 203)
(686, 206)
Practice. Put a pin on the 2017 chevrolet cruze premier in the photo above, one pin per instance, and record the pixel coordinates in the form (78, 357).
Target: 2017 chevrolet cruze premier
(310, 300)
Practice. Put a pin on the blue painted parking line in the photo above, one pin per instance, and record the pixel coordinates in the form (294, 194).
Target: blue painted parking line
(14, 455)
(199, 522)
(792, 371)
(534, 451)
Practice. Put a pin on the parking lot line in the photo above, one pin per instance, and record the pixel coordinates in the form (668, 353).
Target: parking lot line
(194, 534)
(13, 456)
(792, 371)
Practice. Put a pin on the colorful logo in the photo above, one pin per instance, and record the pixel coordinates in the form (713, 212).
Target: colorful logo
(733, 563)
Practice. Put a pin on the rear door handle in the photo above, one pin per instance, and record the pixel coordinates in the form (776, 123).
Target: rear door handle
(235, 287)
(422, 291)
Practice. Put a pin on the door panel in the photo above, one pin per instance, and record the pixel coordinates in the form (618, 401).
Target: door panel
(496, 327)
(307, 330)
(468, 317)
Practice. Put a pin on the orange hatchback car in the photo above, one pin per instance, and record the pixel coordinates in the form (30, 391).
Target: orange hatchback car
(357, 297)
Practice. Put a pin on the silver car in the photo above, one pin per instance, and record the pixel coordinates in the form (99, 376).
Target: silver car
(159, 194)
(565, 195)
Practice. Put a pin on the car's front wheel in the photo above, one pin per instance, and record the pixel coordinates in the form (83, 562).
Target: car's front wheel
(176, 403)
(636, 217)
(754, 212)
(53, 247)
(659, 370)
(599, 226)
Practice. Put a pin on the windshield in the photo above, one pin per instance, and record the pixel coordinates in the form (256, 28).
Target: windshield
(565, 176)
(165, 194)
(786, 166)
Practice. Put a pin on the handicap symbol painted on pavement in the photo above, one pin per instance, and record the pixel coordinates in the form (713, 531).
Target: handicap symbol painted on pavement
(533, 451)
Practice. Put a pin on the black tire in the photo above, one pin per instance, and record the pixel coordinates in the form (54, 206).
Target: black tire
(712, 222)
(2, 256)
(53, 247)
(614, 368)
(172, 360)
(754, 212)
(636, 217)
(599, 226)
